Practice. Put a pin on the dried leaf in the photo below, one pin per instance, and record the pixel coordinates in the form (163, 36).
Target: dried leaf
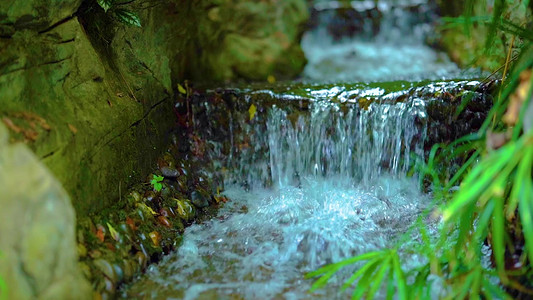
(100, 232)
(72, 128)
(518, 98)
(7, 121)
(131, 223)
(156, 237)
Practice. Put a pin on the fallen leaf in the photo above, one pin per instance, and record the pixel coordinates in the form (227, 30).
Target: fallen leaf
(131, 223)
(11, 125)
(31, 135)
(114, 234)
(181, 89)
(72, 128)
(100, 232)
(156, 238)
(252, 110)
(164, 221)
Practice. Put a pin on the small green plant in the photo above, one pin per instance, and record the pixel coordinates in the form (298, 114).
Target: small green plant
(122, 15)
(156, 182)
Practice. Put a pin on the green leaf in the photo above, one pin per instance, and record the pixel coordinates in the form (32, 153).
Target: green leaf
(493, 290)
(3, 289)
(127, 17)
(499, 7)
(498, 242)
(364, 282)
(360, 272)
(105, 4)
(464, 287)
(525, 208)
(343, 263)
(181, 89)
(479, 178)
(400, 278)
(156, 182)
(114, 234)
(390, 286)
(378, 278)
(483, 222)
(324, 279)
(523, 173)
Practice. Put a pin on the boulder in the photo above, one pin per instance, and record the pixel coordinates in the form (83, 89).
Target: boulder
(34, 14)
(37, 221)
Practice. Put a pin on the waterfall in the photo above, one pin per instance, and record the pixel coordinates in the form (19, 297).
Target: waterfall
(356, 143)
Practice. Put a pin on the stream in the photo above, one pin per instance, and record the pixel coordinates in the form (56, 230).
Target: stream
(338, 183)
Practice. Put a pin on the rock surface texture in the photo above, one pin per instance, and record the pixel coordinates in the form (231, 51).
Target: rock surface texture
(37, 221)
(93, 97)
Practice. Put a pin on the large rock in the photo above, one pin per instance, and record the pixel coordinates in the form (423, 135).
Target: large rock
(93, 97)
(37, 241)
(34, 14)
(70, 104)
(250, 39)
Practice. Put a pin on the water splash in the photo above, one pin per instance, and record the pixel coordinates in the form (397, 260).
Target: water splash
(340, 190)
(263, 241)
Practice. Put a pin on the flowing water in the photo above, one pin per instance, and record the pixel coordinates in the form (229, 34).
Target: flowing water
(337, 183)
(339, 189)
(369, 40)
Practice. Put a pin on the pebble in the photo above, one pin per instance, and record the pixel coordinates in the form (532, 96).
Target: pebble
(169, 172)
(199, 200)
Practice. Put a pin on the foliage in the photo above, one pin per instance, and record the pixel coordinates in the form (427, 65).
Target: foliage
(378, 266)
(491, 211)
(123, 15)
(156, 182)
(3, 287)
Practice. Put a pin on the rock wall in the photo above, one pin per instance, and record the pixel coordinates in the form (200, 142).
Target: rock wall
(38, 259)
(92, 97)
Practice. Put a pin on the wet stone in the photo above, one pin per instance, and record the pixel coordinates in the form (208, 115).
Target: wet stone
(199, 200)
(169, 172)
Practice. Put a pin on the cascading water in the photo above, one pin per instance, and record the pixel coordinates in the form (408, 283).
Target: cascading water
(316, 185)
(339, 190)
(350, 143)
(371, 40)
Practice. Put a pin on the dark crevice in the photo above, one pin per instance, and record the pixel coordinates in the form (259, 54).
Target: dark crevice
(54, 61)
(67, 41)
(134, 124)
(60, 22)
(49, 154)
(155, 77)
